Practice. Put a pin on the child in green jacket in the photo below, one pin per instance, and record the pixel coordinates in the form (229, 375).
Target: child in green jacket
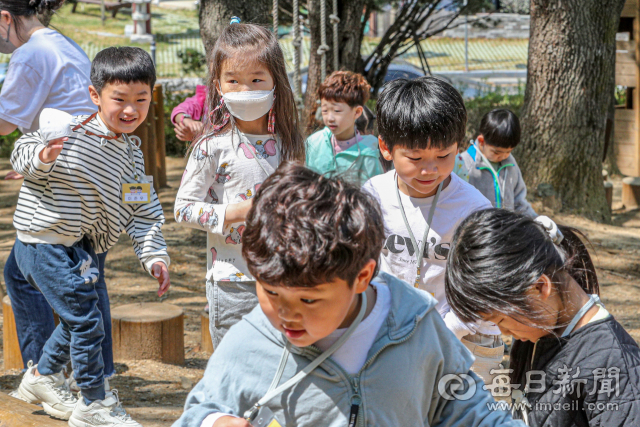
(339, 148)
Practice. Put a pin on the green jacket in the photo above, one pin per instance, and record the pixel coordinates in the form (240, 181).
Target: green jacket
(361, 161)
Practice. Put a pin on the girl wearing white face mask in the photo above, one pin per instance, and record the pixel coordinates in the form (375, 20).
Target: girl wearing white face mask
(252, 127)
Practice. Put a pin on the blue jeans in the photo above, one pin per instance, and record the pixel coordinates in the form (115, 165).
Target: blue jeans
(67, 276)
(34, 318)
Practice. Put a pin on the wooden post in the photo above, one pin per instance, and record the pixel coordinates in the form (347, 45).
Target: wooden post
(161, 152)
(12, 354)
(608, 192)
(150, 160)
(16, 413)
(148, 331)
(205, 335)
(631, 192)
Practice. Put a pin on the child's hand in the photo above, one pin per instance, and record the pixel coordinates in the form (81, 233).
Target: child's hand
(188, 129)
(13, 175)
(231, 422)
(159, 271)
(52, 150)
(237, 212)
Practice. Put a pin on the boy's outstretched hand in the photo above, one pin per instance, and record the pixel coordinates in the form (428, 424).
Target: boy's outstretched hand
(51, 152)
(231, 422)
(159, 271)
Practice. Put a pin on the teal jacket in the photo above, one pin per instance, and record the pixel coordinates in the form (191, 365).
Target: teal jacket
(361, 161)
(413, 356)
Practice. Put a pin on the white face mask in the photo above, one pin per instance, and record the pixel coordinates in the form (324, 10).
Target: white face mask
(249, 105)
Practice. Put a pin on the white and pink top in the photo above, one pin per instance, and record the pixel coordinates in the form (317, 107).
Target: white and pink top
(224, 169)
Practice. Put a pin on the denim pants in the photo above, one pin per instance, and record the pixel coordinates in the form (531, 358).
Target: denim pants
(67, 278)
(228, 302)
(34, 318)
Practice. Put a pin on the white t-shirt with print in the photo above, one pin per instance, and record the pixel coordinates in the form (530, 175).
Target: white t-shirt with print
(224, 169)
(457, 201)
(49, 71)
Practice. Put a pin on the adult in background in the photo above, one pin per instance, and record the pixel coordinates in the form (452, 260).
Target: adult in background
(46, 70)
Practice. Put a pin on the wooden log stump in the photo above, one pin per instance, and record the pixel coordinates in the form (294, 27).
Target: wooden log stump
(608, 192)
(205, 335)
(12, 354)
(16, 413)
(148, 331)
(631, 192)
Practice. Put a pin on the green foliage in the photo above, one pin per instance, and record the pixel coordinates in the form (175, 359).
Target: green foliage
(193, 61)
(173, 145)
(6, 143)
(487, 101)
(621, 95)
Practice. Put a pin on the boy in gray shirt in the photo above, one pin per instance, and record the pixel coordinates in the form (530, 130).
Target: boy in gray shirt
(490, 165)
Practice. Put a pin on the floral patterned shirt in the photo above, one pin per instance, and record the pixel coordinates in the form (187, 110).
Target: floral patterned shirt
(224, 169)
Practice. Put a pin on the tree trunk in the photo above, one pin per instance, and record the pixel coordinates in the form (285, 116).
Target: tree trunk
(570, 84)
(216, 14)
(350, 34)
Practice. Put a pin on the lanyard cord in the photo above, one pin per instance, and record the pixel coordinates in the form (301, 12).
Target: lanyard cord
(420, 250)
(273, 391)
(126, 138)
(593, 299)
(130, 151)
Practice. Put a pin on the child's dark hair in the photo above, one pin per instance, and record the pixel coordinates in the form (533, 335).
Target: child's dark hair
(123, 64)
(497, 255)
(421, 113)
(251, 43)
(365, 123)
(500, 128)
(345, 86)
(305, 229)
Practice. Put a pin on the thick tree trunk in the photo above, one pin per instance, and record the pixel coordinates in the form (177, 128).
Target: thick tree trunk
(216, 14)
(350, 34)
(570, 85)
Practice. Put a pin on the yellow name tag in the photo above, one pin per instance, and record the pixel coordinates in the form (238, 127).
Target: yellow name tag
(136, 192)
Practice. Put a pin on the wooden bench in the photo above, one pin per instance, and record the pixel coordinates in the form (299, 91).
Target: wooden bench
(114, 7)
(16, 413)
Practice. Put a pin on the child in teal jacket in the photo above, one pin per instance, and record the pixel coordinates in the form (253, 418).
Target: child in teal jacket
(339, 149)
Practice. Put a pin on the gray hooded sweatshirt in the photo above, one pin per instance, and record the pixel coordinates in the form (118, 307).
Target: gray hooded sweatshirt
(412, 355)
(504, 187)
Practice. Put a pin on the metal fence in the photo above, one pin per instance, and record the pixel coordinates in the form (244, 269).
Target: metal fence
(444, 54)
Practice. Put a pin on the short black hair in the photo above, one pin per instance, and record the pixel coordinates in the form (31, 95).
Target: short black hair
(426, 112)
(123, 64)
(500, 128)
(305, 229)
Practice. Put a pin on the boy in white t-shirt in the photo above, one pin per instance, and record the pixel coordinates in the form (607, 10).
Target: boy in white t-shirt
(420, 123)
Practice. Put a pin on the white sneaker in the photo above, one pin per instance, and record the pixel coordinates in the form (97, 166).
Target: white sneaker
(101, 413)
(50, 390)
(16, 395)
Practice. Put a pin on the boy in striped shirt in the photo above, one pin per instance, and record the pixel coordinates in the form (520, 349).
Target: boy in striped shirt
(74, 204)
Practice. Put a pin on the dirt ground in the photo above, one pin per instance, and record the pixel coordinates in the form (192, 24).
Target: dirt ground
(154, 392)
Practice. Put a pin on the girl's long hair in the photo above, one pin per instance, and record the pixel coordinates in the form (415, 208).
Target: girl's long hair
(496, 256)
(249, 43)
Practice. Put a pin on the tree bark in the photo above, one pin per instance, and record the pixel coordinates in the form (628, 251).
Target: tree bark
(350, 34)
(570, 85)
(216, 14)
